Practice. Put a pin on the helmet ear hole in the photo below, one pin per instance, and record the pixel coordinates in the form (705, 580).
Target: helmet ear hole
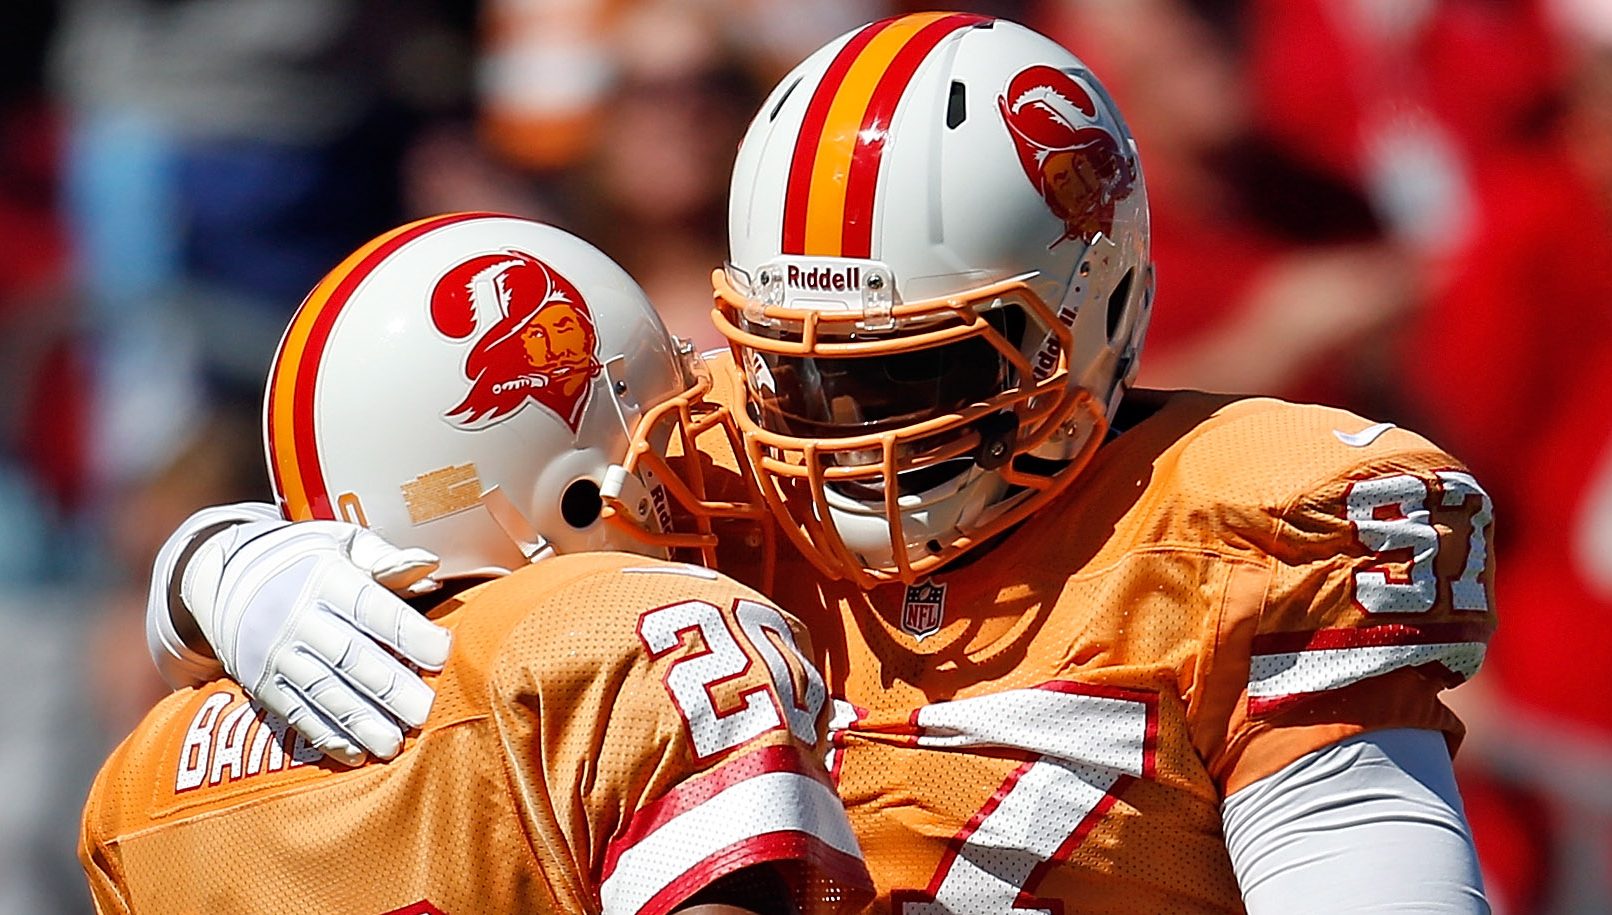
(580, 504)
(1116, 303)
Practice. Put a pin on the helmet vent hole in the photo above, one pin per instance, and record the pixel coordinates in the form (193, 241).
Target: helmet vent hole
(1116, 303)
(956, 106)
(934, 546)
(783, 98)
(581, 505)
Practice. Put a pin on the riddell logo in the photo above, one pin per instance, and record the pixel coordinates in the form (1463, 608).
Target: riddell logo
(535, 338)
(1078, 166)
(824, 279)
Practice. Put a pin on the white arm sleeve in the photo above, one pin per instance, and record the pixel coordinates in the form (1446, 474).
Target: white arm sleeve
(179, 664)
(1369, 824)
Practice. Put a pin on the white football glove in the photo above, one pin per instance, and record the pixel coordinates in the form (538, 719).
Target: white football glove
(182, 664)
(301, 616)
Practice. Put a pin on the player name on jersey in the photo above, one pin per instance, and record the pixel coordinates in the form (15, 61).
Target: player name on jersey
(230, 737)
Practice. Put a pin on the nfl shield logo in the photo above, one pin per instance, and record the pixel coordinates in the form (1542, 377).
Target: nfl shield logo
(922, 610)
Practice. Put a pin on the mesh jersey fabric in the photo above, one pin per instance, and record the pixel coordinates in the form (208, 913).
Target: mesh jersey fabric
(1232, 584)
(610, 734)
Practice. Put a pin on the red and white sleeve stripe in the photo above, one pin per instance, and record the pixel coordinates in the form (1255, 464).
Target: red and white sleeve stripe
(770, 805)
(1288, 667)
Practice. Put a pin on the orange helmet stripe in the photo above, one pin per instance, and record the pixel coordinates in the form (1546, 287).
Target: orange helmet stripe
(828, 206)
(294, 461)
(798, 192)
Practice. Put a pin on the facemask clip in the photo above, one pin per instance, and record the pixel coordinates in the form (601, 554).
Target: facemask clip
(877, 303)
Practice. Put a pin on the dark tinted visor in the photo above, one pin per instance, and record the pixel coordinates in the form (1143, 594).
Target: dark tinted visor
(823, 397)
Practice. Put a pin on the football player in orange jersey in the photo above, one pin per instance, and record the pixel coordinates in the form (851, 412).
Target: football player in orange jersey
(1180, 657)
(611, 732)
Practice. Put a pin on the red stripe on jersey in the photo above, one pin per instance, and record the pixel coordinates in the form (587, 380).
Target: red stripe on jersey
(1263, 706)
(1103, 690)
(839, 738)
(1027, 899)
(824, 862)
(955, 846)
(1389, 634)
(698, 790)
(423, 907)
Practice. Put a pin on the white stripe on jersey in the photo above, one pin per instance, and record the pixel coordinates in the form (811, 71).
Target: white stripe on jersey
(769, 803)
(1293, 673)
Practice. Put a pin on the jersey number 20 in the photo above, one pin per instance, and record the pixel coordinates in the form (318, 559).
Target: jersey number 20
(786, 690)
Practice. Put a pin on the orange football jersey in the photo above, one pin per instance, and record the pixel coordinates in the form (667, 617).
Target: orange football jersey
(1049, 724)
(611, 734)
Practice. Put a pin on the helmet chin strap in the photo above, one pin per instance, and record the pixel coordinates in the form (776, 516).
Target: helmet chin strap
(534, 546)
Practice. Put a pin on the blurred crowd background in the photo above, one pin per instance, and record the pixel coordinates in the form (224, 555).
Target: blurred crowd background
(1403, 207)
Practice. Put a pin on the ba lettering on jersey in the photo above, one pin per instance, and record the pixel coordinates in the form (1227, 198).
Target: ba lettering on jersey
(230, 738)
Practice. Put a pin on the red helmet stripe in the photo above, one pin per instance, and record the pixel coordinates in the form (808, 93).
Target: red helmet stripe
(828, 203)
(798, 194)
(289, 430)
(861, 183)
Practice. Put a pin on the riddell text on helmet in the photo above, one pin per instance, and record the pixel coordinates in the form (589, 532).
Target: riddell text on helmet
(824, 279)
(1046, 358)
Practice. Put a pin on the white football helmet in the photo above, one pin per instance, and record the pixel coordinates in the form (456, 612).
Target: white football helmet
(939, 279)
(488, 388)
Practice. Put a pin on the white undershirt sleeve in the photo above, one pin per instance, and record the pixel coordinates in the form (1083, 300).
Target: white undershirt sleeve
(1373, 823)
(179, 664)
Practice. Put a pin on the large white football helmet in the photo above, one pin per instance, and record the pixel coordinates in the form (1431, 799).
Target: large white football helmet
(937, 289)
(488, 388)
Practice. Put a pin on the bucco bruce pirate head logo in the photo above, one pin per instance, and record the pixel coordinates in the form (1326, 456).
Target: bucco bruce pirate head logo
(535, 338)
(1077, 165)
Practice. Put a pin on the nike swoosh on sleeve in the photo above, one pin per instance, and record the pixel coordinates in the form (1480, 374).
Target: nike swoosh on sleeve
(677, 569)
(1364, 437)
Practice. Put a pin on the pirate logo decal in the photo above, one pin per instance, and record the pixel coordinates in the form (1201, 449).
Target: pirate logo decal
(1078, 165)
(535, 338)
